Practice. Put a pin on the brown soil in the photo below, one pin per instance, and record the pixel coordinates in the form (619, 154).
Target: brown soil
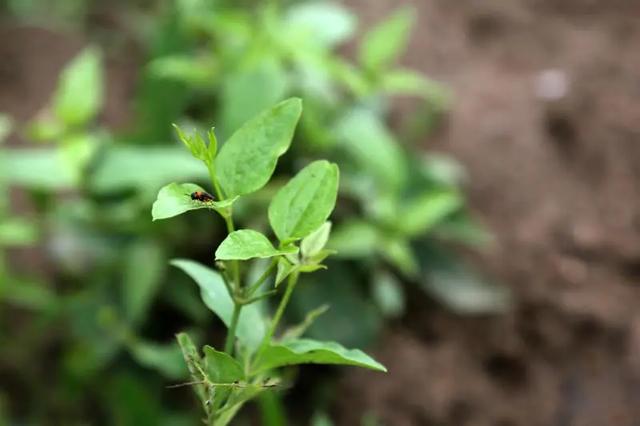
(557, 181)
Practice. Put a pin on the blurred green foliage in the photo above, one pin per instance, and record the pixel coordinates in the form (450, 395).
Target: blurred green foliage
(97, 315)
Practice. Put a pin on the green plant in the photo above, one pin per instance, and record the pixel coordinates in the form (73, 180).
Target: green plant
(240, 60)
(225, 380)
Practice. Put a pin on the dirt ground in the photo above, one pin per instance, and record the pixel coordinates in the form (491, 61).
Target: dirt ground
(547, 122)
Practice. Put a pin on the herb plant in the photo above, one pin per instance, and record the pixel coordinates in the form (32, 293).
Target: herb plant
(225, 378)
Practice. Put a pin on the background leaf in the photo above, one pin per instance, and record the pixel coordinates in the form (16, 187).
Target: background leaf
(354, 239)
(80, 90)
(145, 167)
(388, 294)
(383, 45)
(375, 152)
(324, 23)
(143, 271)
(249, 91)
(420, 214)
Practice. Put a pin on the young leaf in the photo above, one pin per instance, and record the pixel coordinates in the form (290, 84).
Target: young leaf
(251, 327)
(313, 243)
(248, 244)
(194, 364)
(175, 199)
(284, 268)
(305, 202)
(383, 45)
(221, 368)
(197, 146)
(247, 160)
(307, 351)
(80, 89)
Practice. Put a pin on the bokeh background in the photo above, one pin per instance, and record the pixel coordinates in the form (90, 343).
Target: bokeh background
(517, 130)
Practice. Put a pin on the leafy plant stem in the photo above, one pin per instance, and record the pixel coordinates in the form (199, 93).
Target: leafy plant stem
(228, 344)
(291, 284)
(255, 286)
(228, 219)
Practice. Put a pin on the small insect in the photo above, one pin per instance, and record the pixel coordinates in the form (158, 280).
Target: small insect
(201, 196)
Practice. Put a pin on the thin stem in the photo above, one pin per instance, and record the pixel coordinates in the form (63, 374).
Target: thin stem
(291, 283)
(255, 286)
(228, 344)
(259, 297)
(214, 182)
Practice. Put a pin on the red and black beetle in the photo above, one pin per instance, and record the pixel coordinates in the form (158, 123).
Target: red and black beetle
(201, 196)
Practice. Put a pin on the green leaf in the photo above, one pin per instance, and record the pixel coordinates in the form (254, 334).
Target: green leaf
(373, 148)
(388, 294)
(29, 294)
(321, 419)
(248, 244)
(284, 268)
(424, 212)
(79, 95)
(305, 202)
(307, 351)
(221, 368)
(175, 199)
(166, 359)
(313, 243)
(17, 231)
(196, 145)
(251, 327)
(384, 44)
(399, 253)
(457, 285)
(323, 23)
(247, 160)
(354, 239)
(408, 82)
(194, 364)
(35, 168)
(143, 270)
(185, 68)
(250, 90)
